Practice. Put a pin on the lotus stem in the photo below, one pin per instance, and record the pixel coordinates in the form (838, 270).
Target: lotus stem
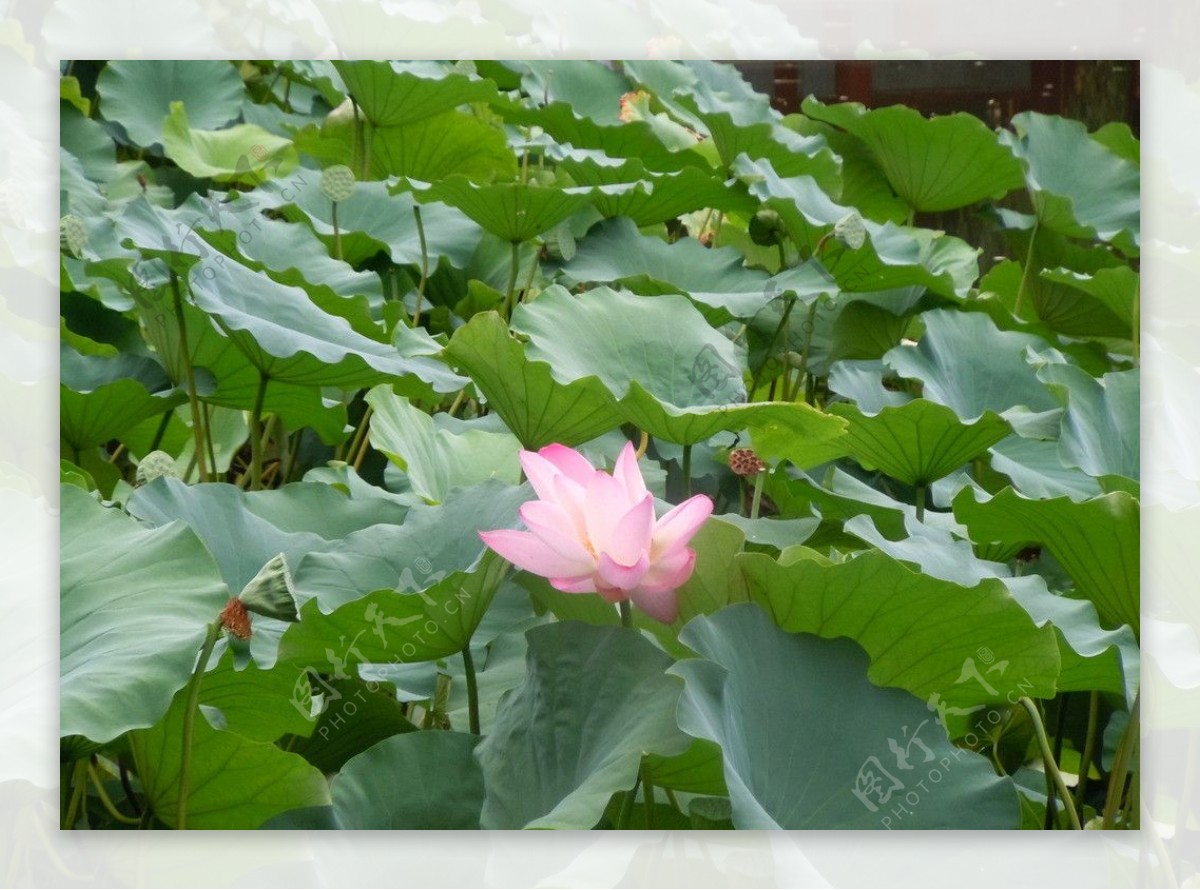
(189, 721)
(1089, 747)
(424, 265)
(626, 613)
(190, 376)
(512, 280)
(687, 471)
(791, 302)
(756, 500)
(256, 434)
(1048, 759)
(627, 804)
(105, 800)
(472, 689)
(1120, 770)
(1021, 288)
(922, 494)
(337, 232)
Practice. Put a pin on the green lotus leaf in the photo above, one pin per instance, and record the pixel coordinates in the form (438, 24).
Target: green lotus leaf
(851, 768)
(935, 164)
(138, 94)
(1096, 541)
(235, 782)
(600, 693)
(1079, 186)
(416, 780)
(134, 607)
(244, 153)
(538, 409)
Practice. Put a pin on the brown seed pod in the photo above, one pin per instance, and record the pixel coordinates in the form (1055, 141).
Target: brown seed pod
(745, 462)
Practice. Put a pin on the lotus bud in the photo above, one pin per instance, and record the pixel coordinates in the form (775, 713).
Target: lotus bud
(766, 228)
(271, 592)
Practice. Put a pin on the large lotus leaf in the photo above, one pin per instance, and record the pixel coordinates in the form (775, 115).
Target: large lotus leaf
(935, 164)
(440, 453)
(594, 700)
(918, 442)
(1101, 429)
(138, 94)
(416, 780)
(1092, 658)
(656, 197)
(391, 626)
(746, 125)
(710, 86)
(427, 150)
(901, 618)
(1115, 288)
(253, 702)
(288, 338)
(432, 543)
(1096, 541)
(966, 363)
(616, 252)
(593, 89)
(134, 605)
(372, 219)
(1079, 186)
(825, 748)
(1060, 303)
(294, 255)
(235, 782)
(1036, 469)
(355, 714)
(891, 256)
(538, 409)
(635, 139)
(244, 154)
(865, 186)
(245, 530)
(514, 211)
(676, 377)
(102, 397)
(389, 95)
(235, 379)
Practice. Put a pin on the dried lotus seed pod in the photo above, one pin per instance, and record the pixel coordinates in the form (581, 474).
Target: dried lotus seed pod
(337, 182)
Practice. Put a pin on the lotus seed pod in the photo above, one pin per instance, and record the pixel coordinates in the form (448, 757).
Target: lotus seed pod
(271, 592)
(744, 462)
(851, 231)
(337, 182)
(155, 464)
(72, 234)
(766, 228)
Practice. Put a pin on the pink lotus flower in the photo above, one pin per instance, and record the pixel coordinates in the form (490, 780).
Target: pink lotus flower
(590, 532)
